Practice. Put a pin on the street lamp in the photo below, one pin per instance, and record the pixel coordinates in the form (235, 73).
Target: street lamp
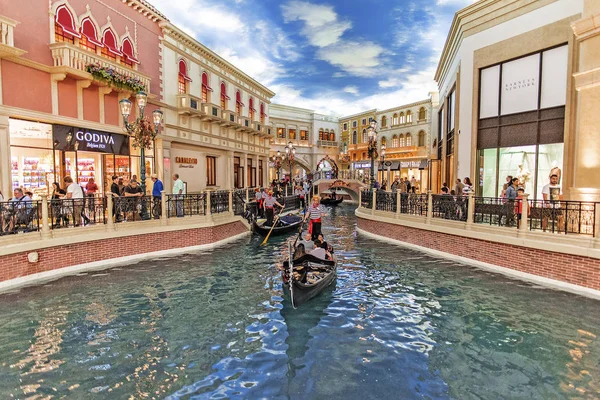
(383, 162)
(290, 152)
(373, 149)
(141, 130)
(277, 163)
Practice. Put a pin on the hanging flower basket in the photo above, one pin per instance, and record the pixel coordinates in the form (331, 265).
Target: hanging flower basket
(114, 78)
(143, 134)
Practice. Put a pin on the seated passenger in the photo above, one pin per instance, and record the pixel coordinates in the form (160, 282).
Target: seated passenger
(324, 244)
(307, 242)
(320, 252)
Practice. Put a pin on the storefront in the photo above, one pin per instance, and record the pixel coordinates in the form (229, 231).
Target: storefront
(201, 168)
(521, 121)
(43, 153)
(410, 169)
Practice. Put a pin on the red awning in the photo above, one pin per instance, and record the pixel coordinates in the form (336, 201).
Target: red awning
(127, 49)
(183, 70)
(205, 82)
(109, 40)
(89, 31)
(65, 20)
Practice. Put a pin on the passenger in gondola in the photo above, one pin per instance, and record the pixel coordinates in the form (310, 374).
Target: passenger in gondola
(320, 252)
(324, 244)
(314, 214)
(305, 245)
(269, 203)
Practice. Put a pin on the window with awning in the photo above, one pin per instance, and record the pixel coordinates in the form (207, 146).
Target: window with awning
(65, 20)
(127, 49)
(109, 39)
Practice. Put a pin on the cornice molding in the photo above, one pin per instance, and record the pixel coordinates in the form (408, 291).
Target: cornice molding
(146, 9)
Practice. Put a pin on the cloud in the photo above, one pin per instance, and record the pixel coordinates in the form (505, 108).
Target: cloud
(321, 25)
(351, 89)
(455, 3)
(345, 56)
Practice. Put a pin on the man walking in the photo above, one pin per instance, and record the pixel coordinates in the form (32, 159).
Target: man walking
(75, 192)
(157, 189)
(179, 192)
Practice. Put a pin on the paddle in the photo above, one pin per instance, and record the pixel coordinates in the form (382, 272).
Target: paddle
(299, 232)
(273, 226)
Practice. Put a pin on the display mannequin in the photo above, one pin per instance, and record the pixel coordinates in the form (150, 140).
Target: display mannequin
(523, 174)
(556, 171)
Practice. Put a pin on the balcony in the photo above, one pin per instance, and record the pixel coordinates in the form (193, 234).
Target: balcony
(327, 143)
(211, 112)
(256, 126)
(7, 39)
(72, 60)
(229, 118)
(244, 123)
(189, 105)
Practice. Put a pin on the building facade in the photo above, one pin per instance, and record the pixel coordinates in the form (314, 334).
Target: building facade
(64, 66)
(515, 97)
(314, 136)
(217, 128)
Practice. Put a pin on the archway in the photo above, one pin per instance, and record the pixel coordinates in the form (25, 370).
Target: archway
(328, 168)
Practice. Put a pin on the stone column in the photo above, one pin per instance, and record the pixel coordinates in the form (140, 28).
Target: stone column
(230, 170)
(244, 162)
(109, 212)
(5, 166)
(231, 202)
(429, 206)
(524, 223)
(398, 203)
(45, 223)
(163, 207)
(374, 202)
(208, 212)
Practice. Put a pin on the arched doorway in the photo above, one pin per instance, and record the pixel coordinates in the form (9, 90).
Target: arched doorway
(327, 168)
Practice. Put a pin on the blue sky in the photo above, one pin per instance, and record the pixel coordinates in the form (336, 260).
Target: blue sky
(337, 57)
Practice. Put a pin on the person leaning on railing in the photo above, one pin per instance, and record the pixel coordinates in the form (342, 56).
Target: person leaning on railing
(132, 194)
(115, 192)
(17, 211)
(552, 194)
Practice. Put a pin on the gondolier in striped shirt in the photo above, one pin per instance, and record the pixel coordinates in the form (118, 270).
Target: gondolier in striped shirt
(269, 203)
(314, 214)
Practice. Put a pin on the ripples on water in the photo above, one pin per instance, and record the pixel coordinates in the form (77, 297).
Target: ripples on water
(397, 324)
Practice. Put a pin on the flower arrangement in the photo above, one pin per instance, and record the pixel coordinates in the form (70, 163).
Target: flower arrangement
(143, 134)
(114, 78)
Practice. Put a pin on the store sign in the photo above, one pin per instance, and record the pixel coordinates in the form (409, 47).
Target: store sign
(186, 162)
(520, 84)
(359, 165)
(69, 138)
(410, 164)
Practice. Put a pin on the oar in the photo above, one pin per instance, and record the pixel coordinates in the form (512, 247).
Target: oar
(299, 232)
(273, 226)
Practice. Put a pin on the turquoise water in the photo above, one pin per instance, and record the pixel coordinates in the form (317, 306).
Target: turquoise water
(398, 324)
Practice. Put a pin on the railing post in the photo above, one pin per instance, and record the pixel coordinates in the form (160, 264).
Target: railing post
(247, 195)
(429, 206)
(208, 212)
(286, 190)
(398, 203)
(374, 202)
(524, 223)
(596, 220)
(359, 198)
(163, 207)
(45, 223)
(110, 222)
(470, 210)
(231, 202)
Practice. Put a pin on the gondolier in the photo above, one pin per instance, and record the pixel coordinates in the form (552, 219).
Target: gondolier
(258, 195)
(314, 214)
(269, 203)
(299, 191)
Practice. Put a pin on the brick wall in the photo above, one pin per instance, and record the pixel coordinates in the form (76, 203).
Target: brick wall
(577, 270)
(16, 265)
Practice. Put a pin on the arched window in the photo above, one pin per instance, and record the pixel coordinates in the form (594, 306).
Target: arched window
(89, 36)
(422, 114)
(110, 49)
(402, 141)
(128, 53)
(64, 26)
(183, 77)
(238, 102)
(224, 96)
(402, 118)
(251, 109)
(354, 138)
(395, 119)
(332, 136)
(365, 137)
(384, 141)
(206, 89)
(409, 117)
(354, 156)
(263, 114)
(421, 138)
(408, 140)
(395, 141)
(321, 134)
(383, 121)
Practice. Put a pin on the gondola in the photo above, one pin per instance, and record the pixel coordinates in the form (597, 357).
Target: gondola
(285, 224)
(312, 275)
(331, 202)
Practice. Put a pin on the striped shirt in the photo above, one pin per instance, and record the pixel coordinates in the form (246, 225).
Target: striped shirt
(314, 212)
(270, 201)
(258, 196)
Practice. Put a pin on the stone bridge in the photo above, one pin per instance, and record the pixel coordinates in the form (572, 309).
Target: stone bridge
(347, 187)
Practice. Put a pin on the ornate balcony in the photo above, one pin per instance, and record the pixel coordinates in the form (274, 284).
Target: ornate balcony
(7, 39)
(229, 118)
(244, 124)
(211, 112)
(72, 60)
(327, 143)
(189, 105)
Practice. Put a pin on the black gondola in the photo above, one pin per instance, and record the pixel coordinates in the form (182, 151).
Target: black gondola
(331, 202)
(285, 224)
(304, 289)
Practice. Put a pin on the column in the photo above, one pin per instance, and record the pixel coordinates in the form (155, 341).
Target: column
(429, 206)
(374, 202)
(524, 223)
(256, 163)
(244, 162)
(45, 224)
(5, 168)
(230, 170)
(470, 210)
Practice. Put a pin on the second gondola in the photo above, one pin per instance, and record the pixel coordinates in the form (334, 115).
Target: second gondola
(285, 224)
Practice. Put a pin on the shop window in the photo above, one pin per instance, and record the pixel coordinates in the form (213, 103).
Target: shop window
(281, 133)
(211, 171)
(408, 140)
(421, 139)
(409, 117)
(206, 89)
(303, 135)
(422, 114)
(383, 121)
(292, 134)
(251, 109)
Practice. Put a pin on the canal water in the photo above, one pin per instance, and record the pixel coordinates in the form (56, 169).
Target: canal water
(398, 324)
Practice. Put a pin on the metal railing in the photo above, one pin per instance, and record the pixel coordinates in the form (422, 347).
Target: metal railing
(185, 205)
(569, 217)
(386, 201)
(495, 211)
(219, 202)
(366, 198)
(449, 207)
(22, 216)
(413, 204)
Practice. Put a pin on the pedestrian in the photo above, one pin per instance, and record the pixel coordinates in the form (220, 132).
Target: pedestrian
(179, 193)
(75, 193)
(468, 188)
(157, 188)
(458, 188)
(115, 192)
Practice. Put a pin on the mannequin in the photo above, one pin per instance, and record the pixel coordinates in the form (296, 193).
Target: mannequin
(523, 174)
(556, 171)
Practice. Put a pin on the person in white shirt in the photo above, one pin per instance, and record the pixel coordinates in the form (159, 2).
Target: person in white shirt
(179, 192)
(75, 192)
(552, 194)
(320, 252)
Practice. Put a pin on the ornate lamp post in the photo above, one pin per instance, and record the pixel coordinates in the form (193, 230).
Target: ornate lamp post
(277, 163)
(141, 130)
(373, 149)
(290, 152)
(383, 177)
